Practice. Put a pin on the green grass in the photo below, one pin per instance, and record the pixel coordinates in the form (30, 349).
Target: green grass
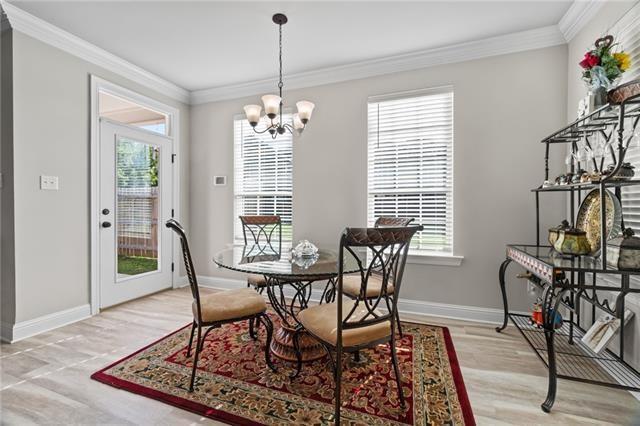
(134, 265)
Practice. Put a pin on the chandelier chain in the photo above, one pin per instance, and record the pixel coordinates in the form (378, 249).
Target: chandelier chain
(280, 84)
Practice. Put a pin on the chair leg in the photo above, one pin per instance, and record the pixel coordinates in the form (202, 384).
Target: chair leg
(252, 331)
(356, 356)
(394, 360)
(195, 359)
(398, 321)
(338, 379)
(264, 318)
(296, 346)
(193, 328)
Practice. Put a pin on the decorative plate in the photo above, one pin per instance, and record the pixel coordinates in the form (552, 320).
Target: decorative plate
(588, 218)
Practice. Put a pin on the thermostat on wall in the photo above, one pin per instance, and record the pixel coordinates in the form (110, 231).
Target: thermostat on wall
(219, 180)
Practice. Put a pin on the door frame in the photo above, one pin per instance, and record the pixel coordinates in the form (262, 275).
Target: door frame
(97, 85)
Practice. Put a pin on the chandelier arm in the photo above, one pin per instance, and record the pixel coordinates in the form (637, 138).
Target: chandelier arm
(265, 130)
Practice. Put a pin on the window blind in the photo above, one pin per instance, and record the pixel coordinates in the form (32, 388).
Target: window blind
(410, 164)
(263, 176)
(627, 35)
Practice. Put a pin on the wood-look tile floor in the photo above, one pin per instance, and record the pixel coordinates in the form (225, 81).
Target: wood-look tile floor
(45, 379)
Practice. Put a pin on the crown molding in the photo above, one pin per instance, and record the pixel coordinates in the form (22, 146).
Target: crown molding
(41, 30)
(493, 46)
(4, 20)
(577, 16)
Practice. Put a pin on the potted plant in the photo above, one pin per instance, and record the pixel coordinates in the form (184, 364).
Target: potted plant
(601, 67)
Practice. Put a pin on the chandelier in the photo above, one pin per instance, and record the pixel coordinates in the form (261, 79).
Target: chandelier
(273, 104)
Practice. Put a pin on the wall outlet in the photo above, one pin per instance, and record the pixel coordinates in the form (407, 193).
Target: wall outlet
(219, 181)
(49, 183)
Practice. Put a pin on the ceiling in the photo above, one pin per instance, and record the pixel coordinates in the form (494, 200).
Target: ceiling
(199, 45)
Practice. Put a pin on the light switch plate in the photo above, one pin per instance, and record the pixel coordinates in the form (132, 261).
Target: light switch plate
(49, 183)
(219, 180)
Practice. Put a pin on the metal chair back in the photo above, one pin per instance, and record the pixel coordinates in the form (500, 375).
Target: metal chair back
(261, 229)
(188, 262)
(384, 221)
(386, 255)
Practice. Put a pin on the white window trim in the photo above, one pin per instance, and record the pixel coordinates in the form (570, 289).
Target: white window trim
(436, 259)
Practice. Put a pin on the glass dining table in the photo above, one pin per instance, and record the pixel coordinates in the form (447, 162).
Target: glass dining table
(292, 283)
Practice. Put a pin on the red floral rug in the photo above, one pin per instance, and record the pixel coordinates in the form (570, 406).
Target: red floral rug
(234, 385)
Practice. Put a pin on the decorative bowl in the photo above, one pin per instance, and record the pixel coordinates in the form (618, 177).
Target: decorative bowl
(305, 248)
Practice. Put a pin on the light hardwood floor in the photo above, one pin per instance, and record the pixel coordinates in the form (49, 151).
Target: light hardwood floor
(45, 379)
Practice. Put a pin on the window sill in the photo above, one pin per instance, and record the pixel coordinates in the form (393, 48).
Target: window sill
(427, 258)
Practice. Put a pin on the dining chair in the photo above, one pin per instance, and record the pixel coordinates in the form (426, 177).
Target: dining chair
(351, 325)
(259, 230)
(352, 282)
(214, 310)
(392, 221)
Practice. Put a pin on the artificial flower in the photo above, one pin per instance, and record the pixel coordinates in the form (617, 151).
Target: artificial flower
(589, 61)
(623, 59)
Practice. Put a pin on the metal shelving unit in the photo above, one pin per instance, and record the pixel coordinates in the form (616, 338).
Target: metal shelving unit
(571, 282)
(575, 361)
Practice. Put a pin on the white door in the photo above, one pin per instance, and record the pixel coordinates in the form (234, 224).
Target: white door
(135, 202)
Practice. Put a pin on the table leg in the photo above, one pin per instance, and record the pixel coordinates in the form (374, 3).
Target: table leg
(282, 344)
(501, 274)
(550, 305)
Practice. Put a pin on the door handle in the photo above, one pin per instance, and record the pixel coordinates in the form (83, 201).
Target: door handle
(106, 224)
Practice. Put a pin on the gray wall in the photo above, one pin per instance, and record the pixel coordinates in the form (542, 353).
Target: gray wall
(503, 106)
(7, 271)
(51, 136)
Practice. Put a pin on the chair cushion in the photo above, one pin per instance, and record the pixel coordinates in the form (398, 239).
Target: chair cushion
(351, 285)
(256, 280)
(321, 320)
(230, 304)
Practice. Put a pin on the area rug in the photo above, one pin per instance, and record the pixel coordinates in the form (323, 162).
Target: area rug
(234, 385)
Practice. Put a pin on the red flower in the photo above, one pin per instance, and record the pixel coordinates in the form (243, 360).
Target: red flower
(590, 60)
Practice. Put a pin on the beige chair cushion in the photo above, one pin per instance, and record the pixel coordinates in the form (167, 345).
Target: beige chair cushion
(256, 280)
(351, 285)
(230, 304)
(321, 320)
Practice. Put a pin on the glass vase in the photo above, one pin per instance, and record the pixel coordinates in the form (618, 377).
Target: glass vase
(598, 97)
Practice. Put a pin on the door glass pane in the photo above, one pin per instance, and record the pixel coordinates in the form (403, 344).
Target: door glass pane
(138, 200)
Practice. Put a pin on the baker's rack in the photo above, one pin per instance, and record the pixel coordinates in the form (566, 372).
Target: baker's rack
(571, 282)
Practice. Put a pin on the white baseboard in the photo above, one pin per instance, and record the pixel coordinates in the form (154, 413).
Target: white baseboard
(414, 310)
(24, 329)
(180, 282)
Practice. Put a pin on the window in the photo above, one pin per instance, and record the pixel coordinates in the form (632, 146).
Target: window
(410, 166)
(628, 36)
(127, 112)
(263, 182)
(626, 33)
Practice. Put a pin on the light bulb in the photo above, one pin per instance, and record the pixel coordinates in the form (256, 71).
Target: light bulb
(305, 108)
(271, 105)
(253, 114)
